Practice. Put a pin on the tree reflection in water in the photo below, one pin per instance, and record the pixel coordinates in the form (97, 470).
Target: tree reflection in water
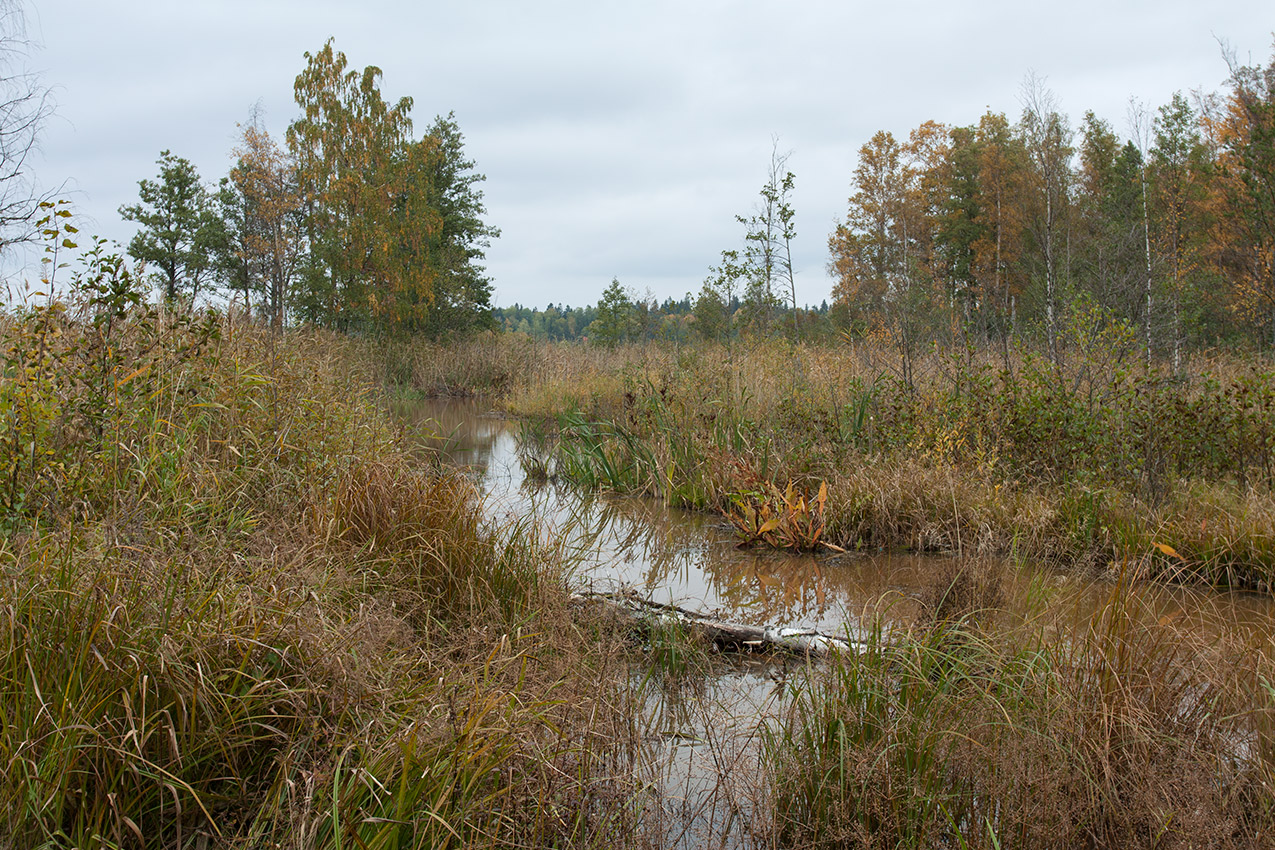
(692, 559)
(667, 555)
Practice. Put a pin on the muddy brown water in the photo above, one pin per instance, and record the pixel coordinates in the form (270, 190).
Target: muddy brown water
(693, 560)
(703, 742)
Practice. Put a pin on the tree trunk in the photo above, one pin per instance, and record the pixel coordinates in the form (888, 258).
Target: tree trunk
(1146, 239)
(734, 637)
(1051, 329)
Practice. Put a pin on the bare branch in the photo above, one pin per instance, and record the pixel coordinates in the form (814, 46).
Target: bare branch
(25, 104)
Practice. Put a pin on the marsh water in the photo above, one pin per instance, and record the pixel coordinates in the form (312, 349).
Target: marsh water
(704, 742)
(693, 559)
(667, 555)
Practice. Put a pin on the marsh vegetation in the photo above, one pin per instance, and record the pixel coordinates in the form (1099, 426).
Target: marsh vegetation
(242, 608)
(242, 604)
(1031, 687)
(238, 610)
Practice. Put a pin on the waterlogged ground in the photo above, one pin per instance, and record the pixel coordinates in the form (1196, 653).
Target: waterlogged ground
(704, 732)
(693, 560)
(670, 556)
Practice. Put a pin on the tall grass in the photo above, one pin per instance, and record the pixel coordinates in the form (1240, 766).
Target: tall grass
(1128, 734)
(1101, 463)
(237, 610)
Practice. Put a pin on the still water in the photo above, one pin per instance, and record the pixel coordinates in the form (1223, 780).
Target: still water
(693, 560)
(703, 737)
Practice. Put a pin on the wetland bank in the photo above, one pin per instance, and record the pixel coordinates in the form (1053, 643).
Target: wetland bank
(711, 721)
(261, 588)
(1040, 677)
(245, 607)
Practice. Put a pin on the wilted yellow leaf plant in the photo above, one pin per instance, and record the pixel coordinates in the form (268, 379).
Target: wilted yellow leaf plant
(784, 519)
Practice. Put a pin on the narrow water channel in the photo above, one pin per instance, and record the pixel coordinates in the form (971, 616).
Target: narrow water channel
(703, 736)
(693, 560)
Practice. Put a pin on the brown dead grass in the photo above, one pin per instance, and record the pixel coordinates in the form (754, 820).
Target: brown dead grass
(249, 616)
(1130, 732)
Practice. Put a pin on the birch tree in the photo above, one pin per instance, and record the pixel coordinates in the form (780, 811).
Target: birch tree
(272, 244)
(350, 148)
(1140, 123)
(1178, 162)
(1047, 139)
(767, 255)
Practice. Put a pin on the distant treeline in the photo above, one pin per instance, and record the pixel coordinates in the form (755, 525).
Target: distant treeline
(640, 319)
(1039, 230)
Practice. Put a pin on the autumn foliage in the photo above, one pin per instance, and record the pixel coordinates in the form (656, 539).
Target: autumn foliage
(996, 230)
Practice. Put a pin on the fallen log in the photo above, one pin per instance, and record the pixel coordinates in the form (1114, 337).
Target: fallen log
(734, 637)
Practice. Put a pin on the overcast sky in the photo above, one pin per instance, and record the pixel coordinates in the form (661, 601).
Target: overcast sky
(618, 139)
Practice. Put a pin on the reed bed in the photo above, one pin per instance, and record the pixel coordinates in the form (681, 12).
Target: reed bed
(236, 609)
(1097, 464)
(397, 674)
(1125, 732)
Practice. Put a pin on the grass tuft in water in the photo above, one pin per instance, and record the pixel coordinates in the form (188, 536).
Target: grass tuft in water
(1128, 734)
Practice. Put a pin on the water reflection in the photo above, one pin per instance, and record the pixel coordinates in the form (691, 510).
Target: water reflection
(692, 559)
(704, 745)
(668, 555)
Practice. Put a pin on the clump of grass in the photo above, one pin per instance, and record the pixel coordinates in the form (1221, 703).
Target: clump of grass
(144, 700)
(1128, 734)
(495, 763)
(234, 609)
(1217, 533)
(600, 456)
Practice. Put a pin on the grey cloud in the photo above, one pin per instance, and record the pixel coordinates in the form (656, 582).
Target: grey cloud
(618, 139)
